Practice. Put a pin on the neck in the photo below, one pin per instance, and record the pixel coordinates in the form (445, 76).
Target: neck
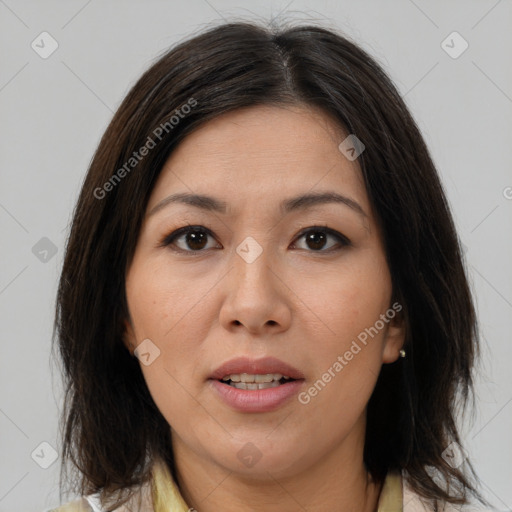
(337, 481)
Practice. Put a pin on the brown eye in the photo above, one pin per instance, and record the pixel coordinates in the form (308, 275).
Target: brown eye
(189, 239)
(316, 238)
(196, 240)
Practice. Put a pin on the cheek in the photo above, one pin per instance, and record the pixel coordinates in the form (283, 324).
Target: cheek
(164, 300)
(346, 301)
(168, 308)
(347, 305)
(170, 395)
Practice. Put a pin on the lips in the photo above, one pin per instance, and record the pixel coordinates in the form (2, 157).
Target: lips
(261, 366)
(256, 398)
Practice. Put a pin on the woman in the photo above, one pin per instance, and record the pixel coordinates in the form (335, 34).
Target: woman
(263, 304)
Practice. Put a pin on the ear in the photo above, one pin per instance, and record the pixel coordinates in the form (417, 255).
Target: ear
(394, 338)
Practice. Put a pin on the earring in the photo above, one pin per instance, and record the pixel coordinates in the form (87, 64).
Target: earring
(402, 353)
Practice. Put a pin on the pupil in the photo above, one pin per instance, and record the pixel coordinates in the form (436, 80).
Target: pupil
(196, 237)
(317, 238)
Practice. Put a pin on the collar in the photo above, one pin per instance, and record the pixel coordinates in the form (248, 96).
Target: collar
(391, 495)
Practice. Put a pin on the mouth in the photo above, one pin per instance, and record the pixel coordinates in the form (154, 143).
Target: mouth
(256, 385)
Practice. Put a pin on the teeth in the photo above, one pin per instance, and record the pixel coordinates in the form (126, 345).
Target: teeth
(254, 385)
(249, 378)
(263, 378)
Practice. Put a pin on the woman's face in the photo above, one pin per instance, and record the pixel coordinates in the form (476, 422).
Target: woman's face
(264, 275)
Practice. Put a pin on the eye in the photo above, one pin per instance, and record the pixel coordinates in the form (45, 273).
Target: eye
(192, 239)
(195, 239)
(316, 238)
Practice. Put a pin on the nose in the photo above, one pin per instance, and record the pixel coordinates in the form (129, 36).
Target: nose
(256, 297)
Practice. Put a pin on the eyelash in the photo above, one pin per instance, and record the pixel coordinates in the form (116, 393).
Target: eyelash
(168, 240)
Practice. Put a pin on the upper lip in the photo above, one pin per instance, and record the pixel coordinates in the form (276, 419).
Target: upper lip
(256, 366)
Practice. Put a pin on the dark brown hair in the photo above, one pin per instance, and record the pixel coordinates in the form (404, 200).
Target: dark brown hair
(111, 427)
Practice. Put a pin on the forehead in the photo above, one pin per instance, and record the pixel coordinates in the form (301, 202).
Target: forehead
(262, 151)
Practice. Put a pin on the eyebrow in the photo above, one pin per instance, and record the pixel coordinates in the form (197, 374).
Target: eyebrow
(301, 202)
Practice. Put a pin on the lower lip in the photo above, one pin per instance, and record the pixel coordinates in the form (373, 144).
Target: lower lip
(256, 400)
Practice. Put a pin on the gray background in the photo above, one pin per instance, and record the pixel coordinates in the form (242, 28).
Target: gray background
(54, 110)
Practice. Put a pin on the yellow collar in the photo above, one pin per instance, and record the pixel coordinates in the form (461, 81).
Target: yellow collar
(391, 496)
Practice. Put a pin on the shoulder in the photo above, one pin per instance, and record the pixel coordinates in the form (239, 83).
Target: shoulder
(413, 502)
(140, 499)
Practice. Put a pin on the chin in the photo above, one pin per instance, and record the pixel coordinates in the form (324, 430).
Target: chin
(260, 459)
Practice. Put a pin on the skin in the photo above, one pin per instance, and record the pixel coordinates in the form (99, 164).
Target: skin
(301, 303)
